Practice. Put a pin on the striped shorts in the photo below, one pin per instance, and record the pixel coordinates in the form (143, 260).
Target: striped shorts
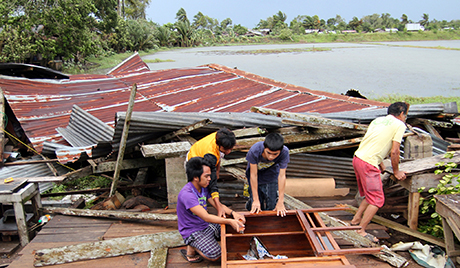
(206, 241)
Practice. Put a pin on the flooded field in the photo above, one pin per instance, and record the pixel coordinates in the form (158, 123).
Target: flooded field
(416, 68)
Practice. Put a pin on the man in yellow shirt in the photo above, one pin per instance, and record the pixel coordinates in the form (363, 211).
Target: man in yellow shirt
(213, 147)
(383, 136)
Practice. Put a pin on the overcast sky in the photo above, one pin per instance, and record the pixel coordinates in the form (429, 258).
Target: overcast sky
(249, 12)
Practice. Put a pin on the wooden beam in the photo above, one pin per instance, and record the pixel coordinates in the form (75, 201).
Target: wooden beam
(107, 248)
(158, 258)
(309, 118)
(183, 131)
(109, 166)
(328, 146)
(139, 186)
(245, 132)
(165, 150)
(404, 229)
(124, 138)
(111, 214)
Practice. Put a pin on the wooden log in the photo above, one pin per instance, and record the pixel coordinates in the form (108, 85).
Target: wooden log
(111, 214)
(107, 248)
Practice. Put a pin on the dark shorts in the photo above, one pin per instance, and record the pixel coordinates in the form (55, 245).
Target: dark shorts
(369, 182)
(268, 196)
(206, 241)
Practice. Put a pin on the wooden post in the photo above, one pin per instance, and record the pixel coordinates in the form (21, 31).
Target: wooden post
(416, 147)
(124, 137)
(175, 178)
(2, 125)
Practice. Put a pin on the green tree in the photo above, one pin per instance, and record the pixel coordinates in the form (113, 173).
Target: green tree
(225, 23)
(141, 35)
(240, 30)
(106, 13)
(185, 33)
(355, 23)
(181, 15)
(164, 35)
(425, 20)
(135, 9)
(404, 19)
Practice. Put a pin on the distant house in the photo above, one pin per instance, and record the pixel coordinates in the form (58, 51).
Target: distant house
(260, 32)
(349, 31)
(391, 30)
(411, 27)
(311, 31)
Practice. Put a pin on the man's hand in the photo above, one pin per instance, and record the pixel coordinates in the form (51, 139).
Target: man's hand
(237, 216)
(237, 225)
(255, 207)
(400, 175)
(220, 211)
(280, 209)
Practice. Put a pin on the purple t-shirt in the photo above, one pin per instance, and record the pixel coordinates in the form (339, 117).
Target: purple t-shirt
(189, 197)
(268, 171)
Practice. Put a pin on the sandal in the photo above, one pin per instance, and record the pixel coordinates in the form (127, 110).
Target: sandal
(371, 238)
(196, 257)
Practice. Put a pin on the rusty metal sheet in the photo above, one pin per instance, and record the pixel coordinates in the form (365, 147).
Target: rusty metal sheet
(43, 105)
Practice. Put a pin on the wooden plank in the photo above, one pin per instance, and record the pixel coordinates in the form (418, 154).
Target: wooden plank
(424, 164)
(158, 257)
(164, 150)
(107, 248)
(404, 229)
(253, 131)
(125, 229)
(111, 214)
(183, 131)
(109, 166)
(309, 118)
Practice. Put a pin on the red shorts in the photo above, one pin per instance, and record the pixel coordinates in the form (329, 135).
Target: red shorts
(369, 182)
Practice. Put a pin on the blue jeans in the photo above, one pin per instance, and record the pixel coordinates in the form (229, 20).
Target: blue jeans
(268, 196)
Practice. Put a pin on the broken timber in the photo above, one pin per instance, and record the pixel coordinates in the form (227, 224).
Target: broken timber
(313, 148)
(111, 214)
(165, 150)
(316, 120)
(107, 248)
(124, 137)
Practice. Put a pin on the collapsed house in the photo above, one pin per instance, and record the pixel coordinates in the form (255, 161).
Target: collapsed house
(77, 125)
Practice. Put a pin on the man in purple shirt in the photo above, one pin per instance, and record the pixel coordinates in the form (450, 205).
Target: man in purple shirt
(266, 173)
(200, 229)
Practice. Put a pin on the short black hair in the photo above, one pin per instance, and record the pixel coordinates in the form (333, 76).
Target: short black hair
(274, 142)
(194, 167)
(225, 138)
(397, 108)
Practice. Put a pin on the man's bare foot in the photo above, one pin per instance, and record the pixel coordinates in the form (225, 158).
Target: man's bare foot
(369, 237)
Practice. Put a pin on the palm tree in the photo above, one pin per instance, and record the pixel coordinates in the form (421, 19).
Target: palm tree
(185, 31)
(181, 15)
(424, 22)
(404, 19)
(164, 36)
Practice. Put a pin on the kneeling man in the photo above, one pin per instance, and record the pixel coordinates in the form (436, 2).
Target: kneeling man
(201, 230)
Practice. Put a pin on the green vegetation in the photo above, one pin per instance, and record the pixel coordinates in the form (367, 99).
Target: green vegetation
(84, 34)
(449, 184)
(84, 183)
(418, 100)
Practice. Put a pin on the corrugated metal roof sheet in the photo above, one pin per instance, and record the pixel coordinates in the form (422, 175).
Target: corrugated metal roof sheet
(41, 106)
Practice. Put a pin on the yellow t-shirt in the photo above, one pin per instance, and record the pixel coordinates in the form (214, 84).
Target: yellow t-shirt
(206, 145)
(378, 140)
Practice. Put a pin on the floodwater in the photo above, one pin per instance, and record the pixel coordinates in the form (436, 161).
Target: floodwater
(415, 68)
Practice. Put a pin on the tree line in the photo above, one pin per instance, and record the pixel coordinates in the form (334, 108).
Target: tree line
(72, 30)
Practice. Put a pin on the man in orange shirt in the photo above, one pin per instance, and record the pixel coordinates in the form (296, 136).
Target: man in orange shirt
(212, 148)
